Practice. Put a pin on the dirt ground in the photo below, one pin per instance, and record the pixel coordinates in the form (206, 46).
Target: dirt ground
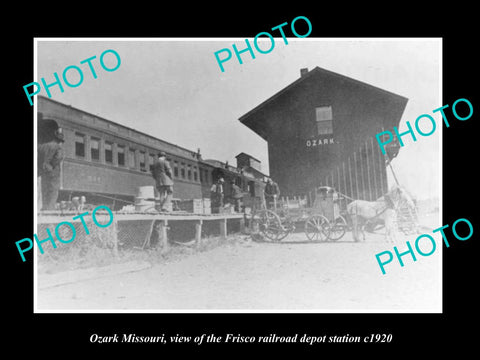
(241, 275)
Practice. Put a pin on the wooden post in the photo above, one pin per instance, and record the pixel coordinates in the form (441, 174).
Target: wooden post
(146, 243)
(198, 234)
(114, 231)
(163, 235)
(223, 228)
(242, 224)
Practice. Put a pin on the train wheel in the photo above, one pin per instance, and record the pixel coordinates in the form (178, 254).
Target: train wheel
(268, 224)
(317, 228)
(338, 229)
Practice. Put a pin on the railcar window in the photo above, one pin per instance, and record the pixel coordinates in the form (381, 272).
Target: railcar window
(324, 120)
(80, 145)
(142, 161)
(95, 149)
(108, 152)
(182, 170)
(207, 179)
(150, 161)
(131, 158)
(175, 169)
(121, 155)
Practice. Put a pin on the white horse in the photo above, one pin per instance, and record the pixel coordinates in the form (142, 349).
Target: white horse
(383, 210)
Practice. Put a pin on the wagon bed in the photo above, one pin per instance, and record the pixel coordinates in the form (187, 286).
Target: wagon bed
(321, 217)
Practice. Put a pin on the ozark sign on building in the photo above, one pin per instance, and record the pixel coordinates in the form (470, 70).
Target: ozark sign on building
(321, 130)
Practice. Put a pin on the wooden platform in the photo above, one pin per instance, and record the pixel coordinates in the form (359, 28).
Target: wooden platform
(158, 221)
(56, 217)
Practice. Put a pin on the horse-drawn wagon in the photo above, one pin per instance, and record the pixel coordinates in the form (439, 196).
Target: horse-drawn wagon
(324, 216)
(321, 216)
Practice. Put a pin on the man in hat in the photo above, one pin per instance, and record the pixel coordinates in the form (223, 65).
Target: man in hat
(271, 192)
(216, 195)
(237, 195)
(50, 158)
(162, 173)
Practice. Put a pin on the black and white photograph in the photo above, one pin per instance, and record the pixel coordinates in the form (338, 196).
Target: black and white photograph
(175, 179)
(230, 181)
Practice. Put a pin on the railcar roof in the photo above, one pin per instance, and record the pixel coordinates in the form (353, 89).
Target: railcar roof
(175, 146)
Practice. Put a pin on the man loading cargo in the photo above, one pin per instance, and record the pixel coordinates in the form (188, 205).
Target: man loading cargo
(236, 195)
(162, 173)
(217, 195)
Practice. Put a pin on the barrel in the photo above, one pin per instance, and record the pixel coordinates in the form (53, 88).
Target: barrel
(145, 198)
(145, 192)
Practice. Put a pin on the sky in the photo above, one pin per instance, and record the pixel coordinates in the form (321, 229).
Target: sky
(173, 89)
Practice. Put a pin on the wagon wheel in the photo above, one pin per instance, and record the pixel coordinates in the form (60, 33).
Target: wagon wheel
(338, 229)
(267, 223)
(317, 228)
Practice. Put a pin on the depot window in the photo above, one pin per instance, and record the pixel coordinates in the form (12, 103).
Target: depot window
(80, 145)
(207, 176)
(150, 161)
(324, 120)
(142, 161)
(175, 169)
(182, 170)
(95, 149)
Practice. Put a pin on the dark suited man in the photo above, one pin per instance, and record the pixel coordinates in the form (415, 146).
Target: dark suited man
(162, 173)
(271, 193)
(50, 157)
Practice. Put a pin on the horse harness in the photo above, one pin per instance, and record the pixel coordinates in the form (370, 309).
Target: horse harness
(390, 205)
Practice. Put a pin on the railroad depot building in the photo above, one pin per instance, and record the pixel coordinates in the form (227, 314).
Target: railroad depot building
(321, 130)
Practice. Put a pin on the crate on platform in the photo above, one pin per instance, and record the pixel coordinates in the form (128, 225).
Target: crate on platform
(195, 206)
(227, 209)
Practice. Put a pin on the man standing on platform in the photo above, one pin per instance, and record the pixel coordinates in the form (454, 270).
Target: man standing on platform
(236, 195)
(162, 173)
(50, 158)
(217, 195)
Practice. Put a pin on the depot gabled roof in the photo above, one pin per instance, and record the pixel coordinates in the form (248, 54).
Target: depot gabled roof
(248, 118)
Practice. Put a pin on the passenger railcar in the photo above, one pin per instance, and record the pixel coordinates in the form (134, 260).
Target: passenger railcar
(107, 162)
